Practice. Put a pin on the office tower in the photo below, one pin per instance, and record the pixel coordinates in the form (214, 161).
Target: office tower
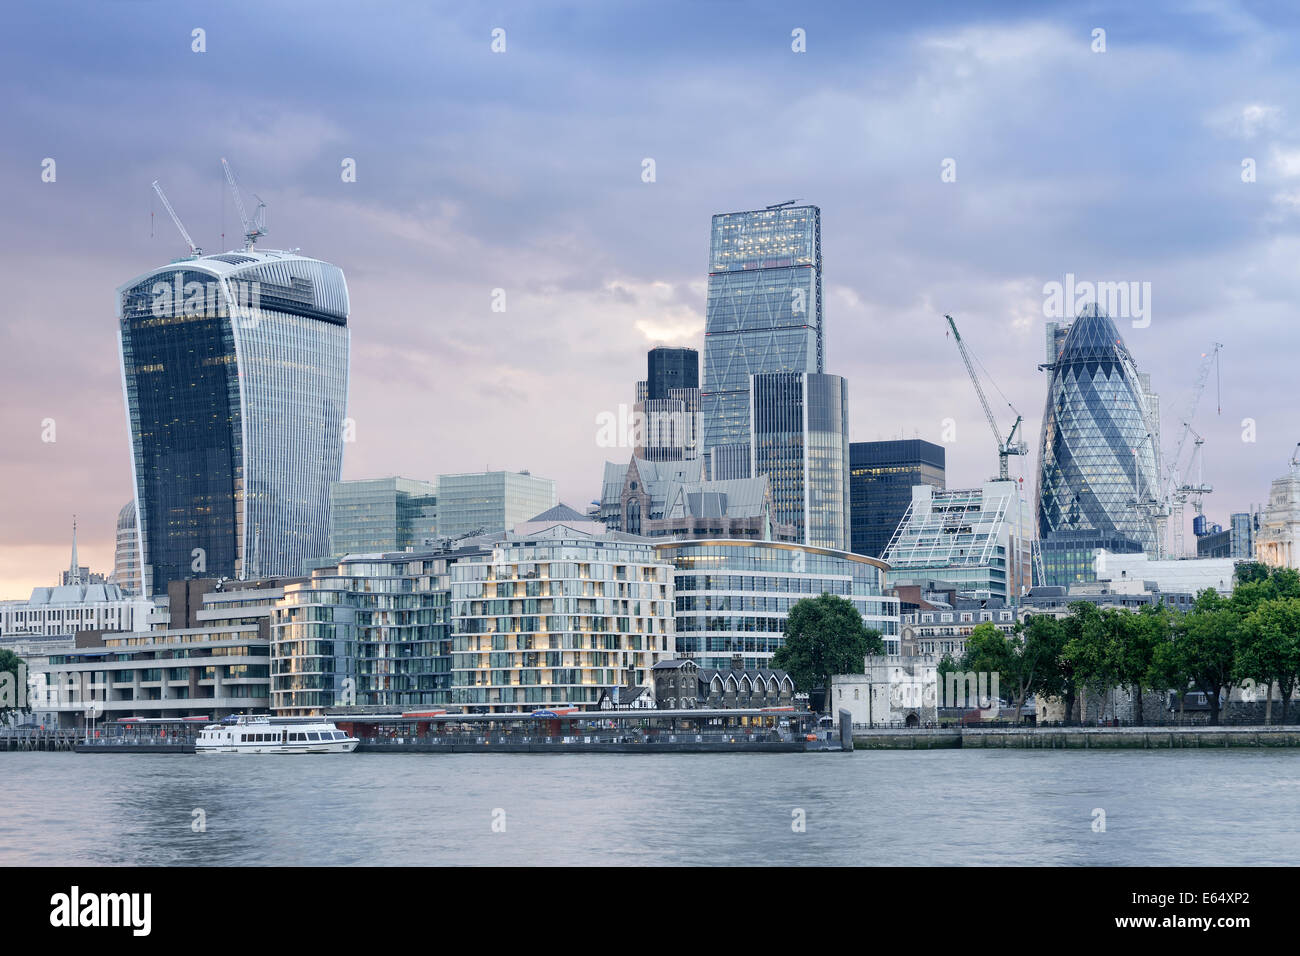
(975, 540)
(1098, 470)
(667, 409)
(669, 369)
(235, 370)
(490, 501)
(881, 476)
(126, 558)
(382, 514)
(763, 314)
(800, 441)
(733, 597)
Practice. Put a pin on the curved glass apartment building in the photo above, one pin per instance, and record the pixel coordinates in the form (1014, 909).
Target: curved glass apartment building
(1098, 469)
(732, 597)
(235, 376)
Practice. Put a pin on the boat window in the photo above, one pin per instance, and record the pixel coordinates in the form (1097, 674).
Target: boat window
(313, 736)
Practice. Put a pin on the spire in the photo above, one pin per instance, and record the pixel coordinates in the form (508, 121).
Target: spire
(74, 572)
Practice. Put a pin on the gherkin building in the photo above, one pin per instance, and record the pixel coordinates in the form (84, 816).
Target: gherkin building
(1099, 461)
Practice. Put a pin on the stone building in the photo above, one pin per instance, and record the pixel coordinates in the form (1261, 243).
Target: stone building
(682, 684)
(894, 690)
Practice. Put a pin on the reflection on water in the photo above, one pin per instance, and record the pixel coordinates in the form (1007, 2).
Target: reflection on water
(873, 808)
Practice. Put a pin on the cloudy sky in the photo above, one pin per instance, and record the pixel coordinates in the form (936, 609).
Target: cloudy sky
(522, 170)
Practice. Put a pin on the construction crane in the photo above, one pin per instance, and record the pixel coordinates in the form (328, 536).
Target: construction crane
(194, 250)
(254, 228)
(1006, 447)
(1176, 486)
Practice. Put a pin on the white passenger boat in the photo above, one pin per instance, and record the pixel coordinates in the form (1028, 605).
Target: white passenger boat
(259, 734)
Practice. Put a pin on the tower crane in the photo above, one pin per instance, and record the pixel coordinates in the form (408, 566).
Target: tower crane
(254, 228)
(194, 250)
(1008, 446)
(1176, 485)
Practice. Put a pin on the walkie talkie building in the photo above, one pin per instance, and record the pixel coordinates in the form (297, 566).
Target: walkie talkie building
(1098, 471)
(235, 375)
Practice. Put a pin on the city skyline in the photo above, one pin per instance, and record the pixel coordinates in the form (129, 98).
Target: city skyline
(546, 220)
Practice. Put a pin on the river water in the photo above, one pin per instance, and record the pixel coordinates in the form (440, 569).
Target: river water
(869, 808)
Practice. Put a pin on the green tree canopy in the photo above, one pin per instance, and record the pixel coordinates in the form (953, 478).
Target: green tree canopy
(1268, 649)
(13, 687)
(825, 635)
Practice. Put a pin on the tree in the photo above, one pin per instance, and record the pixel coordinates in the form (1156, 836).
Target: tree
(1026, 659)
(825, 635)
(1092, 648)
(1139, 636)
(1205, 642)
(1268, 649)
(13, 686)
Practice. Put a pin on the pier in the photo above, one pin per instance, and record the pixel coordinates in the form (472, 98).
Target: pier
(1076, 738)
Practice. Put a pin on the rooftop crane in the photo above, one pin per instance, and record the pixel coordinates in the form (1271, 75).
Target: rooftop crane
(1176, 485)
(254, 228)
(194, 250)
(1006, 447)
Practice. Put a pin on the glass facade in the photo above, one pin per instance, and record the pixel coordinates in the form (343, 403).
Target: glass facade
(382, 514)
(881, 476)
(490, 502)
(1098, 470)
(733, 597)
(235, 374)
(373, 631)
(670, 369)
(800, 441)
(554, 620)
(763, 312)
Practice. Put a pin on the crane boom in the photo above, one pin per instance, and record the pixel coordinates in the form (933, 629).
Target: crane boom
(253, 230)
(194, 250)
(1006, 447)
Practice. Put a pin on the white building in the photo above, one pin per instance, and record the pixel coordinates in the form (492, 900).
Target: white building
(895, 690)
(68, 608)
(978, 539)
(1136, 573)
(1277, 543)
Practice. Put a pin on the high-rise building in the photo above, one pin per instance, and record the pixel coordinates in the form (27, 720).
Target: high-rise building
(382, 514)
(1099, 464)
(126, 557)
(235, 371)
(669, 369)
(763, 314)
(490, 501)
(799, 440)
(978, 540)
(881, 476)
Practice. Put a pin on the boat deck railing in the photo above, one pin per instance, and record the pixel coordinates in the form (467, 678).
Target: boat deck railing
(606, 737)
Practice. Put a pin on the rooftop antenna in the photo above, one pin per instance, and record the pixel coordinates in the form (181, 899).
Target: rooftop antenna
(194, 250)
(778, 205)
(255, 228)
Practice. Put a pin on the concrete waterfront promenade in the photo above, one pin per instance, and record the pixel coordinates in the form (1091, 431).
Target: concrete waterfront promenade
(1075, 738)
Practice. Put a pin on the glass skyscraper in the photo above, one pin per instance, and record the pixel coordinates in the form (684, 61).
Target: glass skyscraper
(763, 314)
(1098, 470)
(800, 441)
(881, 476)
(235, 374)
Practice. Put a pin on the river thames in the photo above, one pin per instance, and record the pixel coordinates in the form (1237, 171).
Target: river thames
(868, 808)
